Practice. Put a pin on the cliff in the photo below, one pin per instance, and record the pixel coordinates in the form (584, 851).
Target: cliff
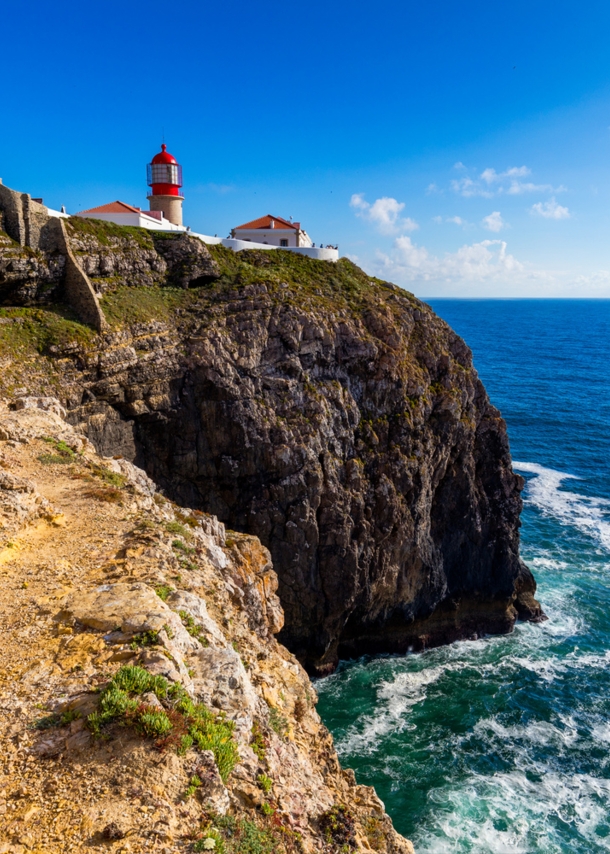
(145, 703)
(332, 415)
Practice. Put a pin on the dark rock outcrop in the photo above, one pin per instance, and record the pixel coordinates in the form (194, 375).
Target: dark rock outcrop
(342, 422)
(28, 277)
(188, 260)
(111, 256)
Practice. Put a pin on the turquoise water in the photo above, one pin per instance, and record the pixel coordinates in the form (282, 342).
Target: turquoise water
(503, 744)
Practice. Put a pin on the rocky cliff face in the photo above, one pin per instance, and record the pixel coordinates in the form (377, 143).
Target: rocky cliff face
(331, 415)
(145, 703)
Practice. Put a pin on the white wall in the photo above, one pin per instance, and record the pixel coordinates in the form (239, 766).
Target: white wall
(57, 214)
(271, 236)
(237, 245)
(317, 252)
(138, 219)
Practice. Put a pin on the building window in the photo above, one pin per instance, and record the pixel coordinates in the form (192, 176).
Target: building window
(283, 242)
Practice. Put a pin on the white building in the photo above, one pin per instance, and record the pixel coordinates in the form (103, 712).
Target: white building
(274, 231)
(124, 214)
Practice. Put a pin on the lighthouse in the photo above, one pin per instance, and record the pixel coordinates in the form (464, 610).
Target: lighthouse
(164, 175)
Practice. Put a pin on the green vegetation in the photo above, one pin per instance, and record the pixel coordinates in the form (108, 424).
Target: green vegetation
(112, 478)
(192, 628)
(145, 639)
(176, 528)
(289, 280)
(375, 834)
(163, 591)
(56, 720)
(332, 285)
(287, 277)
(181, 546)
(63, 453)
(188, 519)
(194, 784)
(258, 742)
(108, 233)
(265, 783)
(37, 329)
(278, 722)
(211, 840)
(126, 305)
(337, 825)
(238, 836)
(180, 723)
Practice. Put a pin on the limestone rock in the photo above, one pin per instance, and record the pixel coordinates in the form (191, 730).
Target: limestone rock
(221, 680)
(213, 793)
(188, 259)
(132, 608)
(195, 607)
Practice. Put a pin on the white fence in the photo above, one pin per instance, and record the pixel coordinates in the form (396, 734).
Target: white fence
(320, 252)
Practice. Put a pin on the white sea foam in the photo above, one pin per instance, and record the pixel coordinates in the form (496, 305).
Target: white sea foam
(590, 515)
(535, 732)
(551, 668)
(394, 699)
(514, 812)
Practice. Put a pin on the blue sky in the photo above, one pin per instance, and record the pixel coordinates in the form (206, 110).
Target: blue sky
(457, 148)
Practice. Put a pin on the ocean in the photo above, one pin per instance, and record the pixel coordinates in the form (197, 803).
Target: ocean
(503, 744)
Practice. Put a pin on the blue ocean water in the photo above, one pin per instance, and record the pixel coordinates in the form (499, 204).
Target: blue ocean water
(503, 744)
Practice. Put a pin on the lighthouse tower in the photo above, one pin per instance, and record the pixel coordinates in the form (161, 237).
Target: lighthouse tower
(165, 177)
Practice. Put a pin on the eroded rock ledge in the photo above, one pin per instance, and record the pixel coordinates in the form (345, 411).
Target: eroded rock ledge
(130, 624)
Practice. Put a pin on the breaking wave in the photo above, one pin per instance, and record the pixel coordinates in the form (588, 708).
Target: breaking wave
(591, 515)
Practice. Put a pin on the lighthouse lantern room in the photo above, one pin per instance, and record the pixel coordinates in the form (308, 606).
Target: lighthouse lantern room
(164, 175)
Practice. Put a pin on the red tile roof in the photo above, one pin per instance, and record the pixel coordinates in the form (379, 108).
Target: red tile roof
(264, 222)
(113, 207)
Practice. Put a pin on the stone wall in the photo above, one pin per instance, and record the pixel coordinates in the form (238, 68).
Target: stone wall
(78, 289)
(28, 223)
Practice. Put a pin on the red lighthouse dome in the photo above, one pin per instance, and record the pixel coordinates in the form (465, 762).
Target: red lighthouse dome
(164, 174)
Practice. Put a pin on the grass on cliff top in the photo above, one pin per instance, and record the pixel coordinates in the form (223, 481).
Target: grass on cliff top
(38, 329)
(126, 305)
(107, 233)
(289, 278)
(333, 285)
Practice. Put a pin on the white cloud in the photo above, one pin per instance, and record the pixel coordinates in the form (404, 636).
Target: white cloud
(518, 187)
(491, 183)
(493, 222)
(593, 285)
(490, 176)
(455, 220)
(459, 165)
(550, 210)
(467, 187)
(384, 213)
(485, 261)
